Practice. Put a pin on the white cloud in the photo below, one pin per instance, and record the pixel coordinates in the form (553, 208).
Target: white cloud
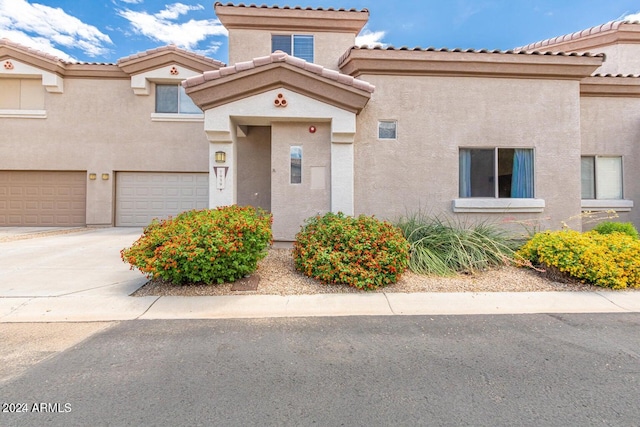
(162, 27)
(132, 1)
(370, 38)
(42, 27)
(631, 17)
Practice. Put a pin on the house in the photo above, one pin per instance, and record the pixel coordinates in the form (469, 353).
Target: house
(303, 122)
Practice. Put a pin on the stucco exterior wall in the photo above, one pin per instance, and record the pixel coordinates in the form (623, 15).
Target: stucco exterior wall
(101, 127)
(438, 115)
(611, 126)
(620, 59)
(245, 45)
(254, 167)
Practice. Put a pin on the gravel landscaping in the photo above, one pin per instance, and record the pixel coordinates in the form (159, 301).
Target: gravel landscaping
(276, 275)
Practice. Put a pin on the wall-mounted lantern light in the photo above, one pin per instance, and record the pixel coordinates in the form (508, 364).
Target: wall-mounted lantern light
(92, 176)
(105, 176)
(221, 157)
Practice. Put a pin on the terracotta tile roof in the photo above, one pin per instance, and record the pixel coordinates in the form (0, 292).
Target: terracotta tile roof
(609, 26)
(627, 76)
(275, 57)
(173, 48)
(479, 51)
(264, 6)
(7, 42)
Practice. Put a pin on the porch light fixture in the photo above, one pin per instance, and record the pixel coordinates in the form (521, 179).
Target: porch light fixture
(92, 176)
(105, 176)
(221, 157)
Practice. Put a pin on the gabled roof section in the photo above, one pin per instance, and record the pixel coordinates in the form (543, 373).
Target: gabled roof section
(214, 88)
(291, 18)
(36, 58)
(166, 55)
(614, 32)
(470, 62)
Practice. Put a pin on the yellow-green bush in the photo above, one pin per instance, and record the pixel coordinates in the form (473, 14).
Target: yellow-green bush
(607, 260)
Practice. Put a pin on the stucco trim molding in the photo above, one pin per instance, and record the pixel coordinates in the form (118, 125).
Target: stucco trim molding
(480, 205)
(611, 86)
(170, 74)
(52, 82)
(24, 114)
(170, 117)
(589, 205)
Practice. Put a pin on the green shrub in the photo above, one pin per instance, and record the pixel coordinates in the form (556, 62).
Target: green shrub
(609, 227)
(206, 246)
(361, 252)
(607, 260)
(442, 247)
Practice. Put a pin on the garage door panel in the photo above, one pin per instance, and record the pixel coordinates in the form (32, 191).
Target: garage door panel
(143, 196)
(42, 198)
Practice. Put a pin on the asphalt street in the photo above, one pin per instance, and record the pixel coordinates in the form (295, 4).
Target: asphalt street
(504, 370)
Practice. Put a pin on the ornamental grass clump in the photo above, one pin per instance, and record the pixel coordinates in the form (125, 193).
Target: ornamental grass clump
(202, 246)
(361, 252)
(443, 247)
(607, 260)
(609, 227)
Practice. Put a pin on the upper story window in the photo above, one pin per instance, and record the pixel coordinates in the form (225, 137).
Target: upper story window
(173, 99)
(496, 172)
(601, 177)
(21, 94)
(300, 46)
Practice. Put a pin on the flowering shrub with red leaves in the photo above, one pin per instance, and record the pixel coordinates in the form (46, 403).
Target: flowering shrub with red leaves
(206, 246)
(362, 252)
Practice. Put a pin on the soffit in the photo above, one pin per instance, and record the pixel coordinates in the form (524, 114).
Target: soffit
(291, 18)
(473, 63)
(278, 70)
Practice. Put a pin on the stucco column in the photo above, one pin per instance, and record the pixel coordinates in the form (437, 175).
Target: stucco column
(342, 176)
(222, 176)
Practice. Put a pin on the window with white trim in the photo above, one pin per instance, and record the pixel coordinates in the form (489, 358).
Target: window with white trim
(21, 94)
(298, 45)
(387, 129)
(295, 155)
(173, 99)
(601, 177)
(496, 172)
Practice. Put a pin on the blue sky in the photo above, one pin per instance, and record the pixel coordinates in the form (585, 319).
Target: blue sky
(106, 30)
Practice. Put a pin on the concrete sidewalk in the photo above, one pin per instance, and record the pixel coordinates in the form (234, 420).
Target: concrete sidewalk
(79, 277)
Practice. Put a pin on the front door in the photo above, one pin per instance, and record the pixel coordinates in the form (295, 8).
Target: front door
(300, 174)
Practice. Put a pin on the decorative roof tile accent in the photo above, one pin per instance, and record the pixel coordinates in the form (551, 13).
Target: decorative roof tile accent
(609, 26)
(275, 57)
(625, 76)
(173, 48)
(264, 6)
(486, 51)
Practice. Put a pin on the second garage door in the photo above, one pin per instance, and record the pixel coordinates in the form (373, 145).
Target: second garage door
(142, 196)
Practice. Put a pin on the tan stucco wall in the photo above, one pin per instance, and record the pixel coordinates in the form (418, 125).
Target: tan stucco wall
(291, 204)
(245, 45)
(254, 167)
(620, 59)
(101, 127)
(438, 115)
(611, 126)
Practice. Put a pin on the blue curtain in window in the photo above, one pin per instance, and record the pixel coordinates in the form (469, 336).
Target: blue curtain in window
(465, 173)
(522, 178)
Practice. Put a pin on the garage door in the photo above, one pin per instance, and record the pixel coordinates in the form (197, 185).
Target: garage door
(142, 196)
(43, 198)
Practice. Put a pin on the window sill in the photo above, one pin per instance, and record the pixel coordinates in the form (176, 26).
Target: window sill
(606, 205)
(169, 117)
(24, 114)
(489, 205)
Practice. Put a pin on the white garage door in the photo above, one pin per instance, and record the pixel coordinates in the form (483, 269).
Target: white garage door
(43, 198)
(142, 196)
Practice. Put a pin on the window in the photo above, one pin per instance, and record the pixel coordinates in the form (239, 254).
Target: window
(21, 94)
(496, 172)
(387, 129)
(297, 45)
(173, 99)
(296, 164)
(601, 177)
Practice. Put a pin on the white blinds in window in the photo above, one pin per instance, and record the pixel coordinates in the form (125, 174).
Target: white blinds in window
(609, 177)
